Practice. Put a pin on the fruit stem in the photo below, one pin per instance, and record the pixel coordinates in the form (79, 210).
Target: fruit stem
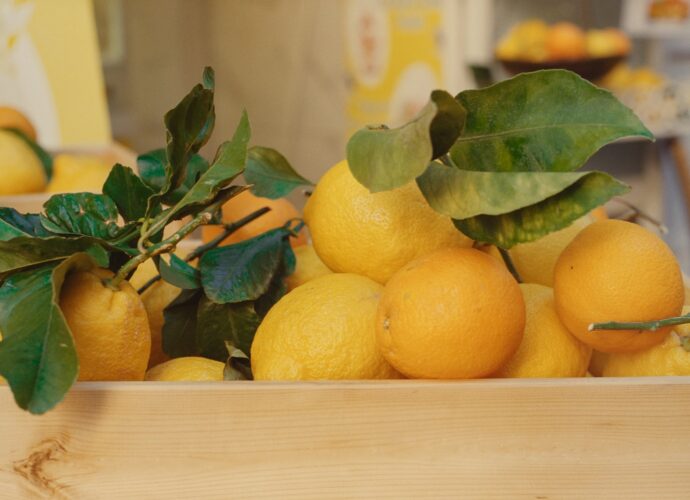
(652, 326)
(509, 264)
(229, 229)
(165, 246)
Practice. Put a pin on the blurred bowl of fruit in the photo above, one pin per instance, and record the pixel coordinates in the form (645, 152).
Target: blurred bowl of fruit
(31, 174)
(533, 45)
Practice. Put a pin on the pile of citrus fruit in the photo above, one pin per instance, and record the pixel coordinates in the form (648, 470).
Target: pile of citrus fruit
(390, 289)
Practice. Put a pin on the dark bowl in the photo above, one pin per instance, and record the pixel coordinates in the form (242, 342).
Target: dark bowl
(591, 69)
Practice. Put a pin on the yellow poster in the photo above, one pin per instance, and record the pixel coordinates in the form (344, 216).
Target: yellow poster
(397, 52)
(50, 70)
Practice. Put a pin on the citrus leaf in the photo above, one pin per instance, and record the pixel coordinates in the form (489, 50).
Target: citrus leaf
(23, 252)
(208, 78)
(37, 354)
(151, 168)
(270, 174)
(86, 214)
(551, 214)
(238, 366)
(179, 328)
(179, 273)
(43, 156)
(128, 191)
(189, 126)
(383, 159)
(218, 323)
(14, 224)
(228, 164)
(550, 120)
(243, 271)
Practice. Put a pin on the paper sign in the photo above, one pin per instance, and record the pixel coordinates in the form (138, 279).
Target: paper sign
(50, 70)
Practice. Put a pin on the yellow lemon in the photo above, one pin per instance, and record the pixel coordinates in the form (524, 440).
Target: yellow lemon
(110, 328)
(20, 169)
(78, 173)
(536, 260)
(309, 266)
(617, 271)
(455, 313)
(548, 349)
(323, 329)
(373, 234)
(155, 299)
(187, 369)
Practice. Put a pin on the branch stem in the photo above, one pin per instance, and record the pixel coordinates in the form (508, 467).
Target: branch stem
(510, 264)
(651, 326)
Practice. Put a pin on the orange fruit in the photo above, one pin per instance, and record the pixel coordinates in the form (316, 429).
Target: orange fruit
(244, 204)
(110, 328)
(13, 118)
(566, 41)
(617, 271)
(453, 314)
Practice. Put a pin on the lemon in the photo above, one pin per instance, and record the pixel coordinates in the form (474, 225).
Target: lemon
(547, 349)
(454, 313)
(536, 260)
(323, 329)
(373, 234)
(187, 369)
(20, 169)
(13, 118)
(309, 266)
(110, 329)
(155, 299)
(617, 271)
(72, 174)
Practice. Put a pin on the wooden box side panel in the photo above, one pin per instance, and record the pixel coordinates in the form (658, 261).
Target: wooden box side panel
(582, 438)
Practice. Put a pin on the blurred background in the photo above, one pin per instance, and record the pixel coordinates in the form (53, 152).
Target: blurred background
(310, 72)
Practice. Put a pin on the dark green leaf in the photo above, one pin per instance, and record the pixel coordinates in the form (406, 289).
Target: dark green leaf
(553, 213)
(152, 171)
(243, 271)
(218, 323)
(43, 156)
(37, 354)
(179, 329)
(20, 253)
(208, 79)
(189, 125)
(128, 191)
(179, 273)
(270, 174)
(228, 164)
(383, 159)
(550, 120)
(13, 224)
(87, 214)
(238, 366)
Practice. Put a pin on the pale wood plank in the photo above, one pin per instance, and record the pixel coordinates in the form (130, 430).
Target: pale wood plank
(578, 438)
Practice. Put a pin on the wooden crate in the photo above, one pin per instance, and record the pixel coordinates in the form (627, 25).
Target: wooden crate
(536, 439)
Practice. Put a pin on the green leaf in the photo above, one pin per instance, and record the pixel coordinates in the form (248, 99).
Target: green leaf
(179, 328)
(228, 164)
(245, 270)
(23, 252)
(238, 366)
(43, 156)
(208, 79)
(189, 126)
(550, 120)
(151, 168)
(218, 323)
(179, 273)
(14, 224)
(128, 191)
(507, 208)
(87, 214)
(383, 159)
(37, 354)
(270, 174)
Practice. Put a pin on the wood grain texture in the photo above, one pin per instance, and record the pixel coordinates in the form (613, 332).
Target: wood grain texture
(540, 439)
